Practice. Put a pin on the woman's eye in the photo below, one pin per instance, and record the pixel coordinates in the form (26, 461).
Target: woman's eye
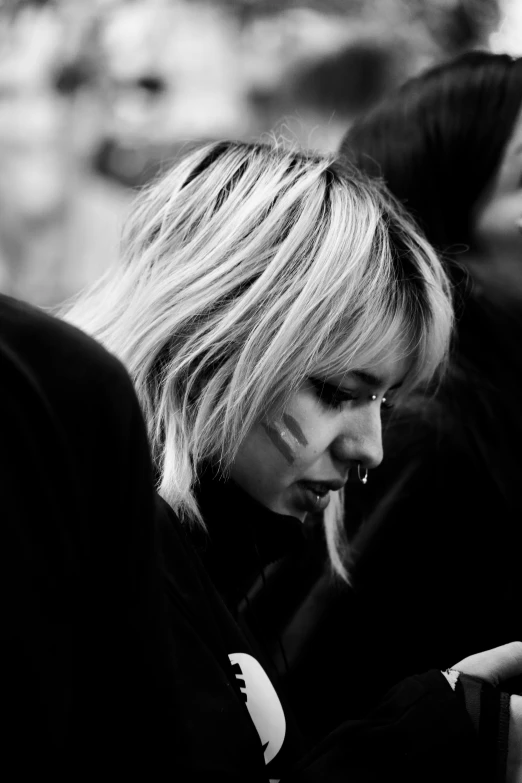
(387, 403)
(330, 395)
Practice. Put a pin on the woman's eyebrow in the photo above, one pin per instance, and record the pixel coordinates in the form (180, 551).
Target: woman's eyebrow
(367, 377)
(374, 380)
(370, 379)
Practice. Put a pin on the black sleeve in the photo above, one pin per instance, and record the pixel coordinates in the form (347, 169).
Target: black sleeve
(421, 731)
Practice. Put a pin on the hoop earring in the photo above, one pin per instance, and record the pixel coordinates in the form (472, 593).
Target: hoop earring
(362, 479)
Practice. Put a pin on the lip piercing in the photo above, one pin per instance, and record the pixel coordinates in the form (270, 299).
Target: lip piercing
(373, 397)
(364, 478)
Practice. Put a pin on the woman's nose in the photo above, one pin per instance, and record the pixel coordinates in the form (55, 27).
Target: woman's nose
(361, 438)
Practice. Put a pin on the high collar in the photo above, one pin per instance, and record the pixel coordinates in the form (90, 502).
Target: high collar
(244, 536)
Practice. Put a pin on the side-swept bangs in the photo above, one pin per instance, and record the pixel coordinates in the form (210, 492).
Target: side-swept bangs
(246, 268)
(375, 287)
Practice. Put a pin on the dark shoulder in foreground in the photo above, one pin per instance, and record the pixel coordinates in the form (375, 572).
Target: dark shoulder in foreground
(82, 604)
(60, 358)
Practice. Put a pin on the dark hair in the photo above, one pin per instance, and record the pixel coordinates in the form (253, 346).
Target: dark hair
(437, 144)
(439, 139)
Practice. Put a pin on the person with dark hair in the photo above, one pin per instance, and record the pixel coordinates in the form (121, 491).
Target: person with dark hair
(436, 560)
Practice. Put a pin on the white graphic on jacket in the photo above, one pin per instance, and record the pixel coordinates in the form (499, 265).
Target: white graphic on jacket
(262, 702)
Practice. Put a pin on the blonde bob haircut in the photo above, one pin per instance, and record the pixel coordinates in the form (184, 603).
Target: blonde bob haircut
(246, 269)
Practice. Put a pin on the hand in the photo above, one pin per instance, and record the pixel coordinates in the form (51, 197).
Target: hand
(494, 665)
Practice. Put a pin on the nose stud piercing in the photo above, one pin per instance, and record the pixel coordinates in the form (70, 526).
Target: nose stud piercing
(362, 478)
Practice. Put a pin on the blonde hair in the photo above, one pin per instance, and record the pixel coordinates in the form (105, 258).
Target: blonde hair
(246, 269)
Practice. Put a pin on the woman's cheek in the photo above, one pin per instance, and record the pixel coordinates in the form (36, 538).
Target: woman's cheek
(279, 438)
(287, 436)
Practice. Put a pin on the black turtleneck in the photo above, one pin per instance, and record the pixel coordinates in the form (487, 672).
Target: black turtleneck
(244, 537)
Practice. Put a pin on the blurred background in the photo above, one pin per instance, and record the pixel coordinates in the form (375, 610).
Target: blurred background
(97, 96)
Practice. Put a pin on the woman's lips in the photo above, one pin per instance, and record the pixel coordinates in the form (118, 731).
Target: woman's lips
(314, 496)
(317, 487)
(325, 485)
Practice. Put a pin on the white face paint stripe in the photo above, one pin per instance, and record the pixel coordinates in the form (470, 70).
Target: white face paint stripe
(295, 430)
(286, 435)
(281, 439)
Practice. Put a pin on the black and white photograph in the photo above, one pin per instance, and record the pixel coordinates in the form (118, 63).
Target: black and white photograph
(261, 391)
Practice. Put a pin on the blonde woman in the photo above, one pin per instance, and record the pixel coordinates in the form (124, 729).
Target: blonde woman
(268, 308)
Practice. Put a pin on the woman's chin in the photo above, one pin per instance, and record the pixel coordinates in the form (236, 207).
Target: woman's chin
(289, 508)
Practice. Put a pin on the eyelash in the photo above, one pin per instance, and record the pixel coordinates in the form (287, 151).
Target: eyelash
(333, 397)
(386, 404)
(330, 395)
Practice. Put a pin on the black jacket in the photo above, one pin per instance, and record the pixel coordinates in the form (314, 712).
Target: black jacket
(420, 731)
(113, 668)
(84, 668)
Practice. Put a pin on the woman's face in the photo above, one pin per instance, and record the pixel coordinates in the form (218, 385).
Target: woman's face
(292, 461)
(498, 222)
